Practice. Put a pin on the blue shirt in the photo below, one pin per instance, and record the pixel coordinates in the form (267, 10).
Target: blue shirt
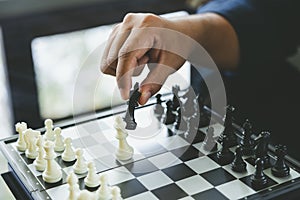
(267, 30)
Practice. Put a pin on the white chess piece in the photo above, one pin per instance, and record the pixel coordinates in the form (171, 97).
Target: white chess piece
(92, 178)
(80, 166)
(20, 128)
(116, 193)
(52, 173)
(104, 191)
(40, 162)
(49, 134)
(74, 190)
(58, 144)
(30, 137)
(86, 195)
(69, 154)
(124, 151)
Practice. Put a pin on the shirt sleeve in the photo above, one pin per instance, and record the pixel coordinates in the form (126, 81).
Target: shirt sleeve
(267, 30)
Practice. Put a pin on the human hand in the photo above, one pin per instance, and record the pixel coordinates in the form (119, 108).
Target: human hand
(139, 40)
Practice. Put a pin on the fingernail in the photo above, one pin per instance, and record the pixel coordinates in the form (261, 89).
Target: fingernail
(144, 97)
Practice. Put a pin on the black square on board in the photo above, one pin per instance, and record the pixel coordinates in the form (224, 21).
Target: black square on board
(171, 191)
(82, 185)
(28, 161)
(187, 153)
(64, 164)
(218, 176)
(247, 181)
(209, 194)
(193, 138)
(131, 188)
(52, 185)
(179, 172)
(214, 157)
(141, 167)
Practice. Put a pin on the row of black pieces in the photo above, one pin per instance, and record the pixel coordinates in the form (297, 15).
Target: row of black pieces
(258, 179)
(183, 116)
(248, 147)
(174, 107)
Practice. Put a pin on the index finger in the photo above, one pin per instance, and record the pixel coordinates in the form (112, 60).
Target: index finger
(134, 48)
(125, 70)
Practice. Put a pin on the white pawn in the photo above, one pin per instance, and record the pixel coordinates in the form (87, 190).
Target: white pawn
(40, 162)
(104, 191)
(20, 128)
(87, 195)
(52, 173)
(124, 151)
(80, 166)
(74, 190)
(92, 178)
(49, 134)
(116, 193)
(69, 154)
(30, 137)
(58, 144)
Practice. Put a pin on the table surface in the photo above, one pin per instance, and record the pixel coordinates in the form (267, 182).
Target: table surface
(5, 193)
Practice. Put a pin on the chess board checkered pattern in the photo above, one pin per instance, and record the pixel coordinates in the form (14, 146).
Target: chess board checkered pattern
(164, 166)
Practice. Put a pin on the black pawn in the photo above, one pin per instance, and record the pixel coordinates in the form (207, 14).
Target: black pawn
(280, 169)
(247, 143)
(170, 116)
(209, 144)
(225, 156)
(238, 164)
(158, 109)
(258, 179)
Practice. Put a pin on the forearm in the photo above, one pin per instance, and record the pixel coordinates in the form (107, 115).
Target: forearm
(214, 33)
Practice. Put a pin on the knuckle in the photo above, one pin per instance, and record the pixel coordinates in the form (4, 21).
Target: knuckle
(150, 19)
(128, 17)
(116, 28)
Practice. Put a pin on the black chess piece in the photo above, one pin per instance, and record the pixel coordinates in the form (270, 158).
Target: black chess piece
(193, 123)
(180, 123)
(261, 148)
(189, 107)
(175, 99)
(158, 108)
(228, 126)
(132, 104)
(258, 179)
(238, 164)
(280, 169)
(225, 156)
(205, 115)
(247, 143)
(210, 144)
(170, 116)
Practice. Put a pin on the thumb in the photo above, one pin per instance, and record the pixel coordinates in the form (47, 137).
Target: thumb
(154, 81)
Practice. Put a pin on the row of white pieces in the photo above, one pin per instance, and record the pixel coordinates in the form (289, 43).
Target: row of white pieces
(28, 138)
(104, 192)
(46, 162)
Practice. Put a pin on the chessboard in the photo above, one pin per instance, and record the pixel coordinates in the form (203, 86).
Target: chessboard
(166, 164)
